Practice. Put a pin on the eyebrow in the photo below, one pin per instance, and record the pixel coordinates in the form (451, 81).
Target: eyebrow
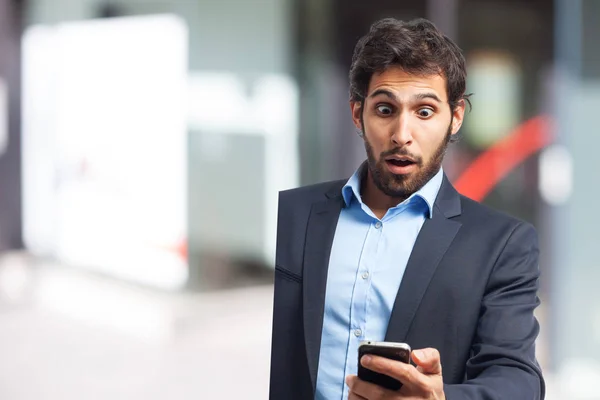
(423, 96)
(417, 97)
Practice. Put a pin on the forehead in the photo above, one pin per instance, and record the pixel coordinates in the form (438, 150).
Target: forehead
(405, 84)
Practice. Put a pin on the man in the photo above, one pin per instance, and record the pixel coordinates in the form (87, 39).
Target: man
(396, 254)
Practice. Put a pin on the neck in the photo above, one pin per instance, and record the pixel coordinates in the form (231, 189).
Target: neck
(375, 199)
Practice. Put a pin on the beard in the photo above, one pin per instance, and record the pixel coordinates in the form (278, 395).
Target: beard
(402, 186)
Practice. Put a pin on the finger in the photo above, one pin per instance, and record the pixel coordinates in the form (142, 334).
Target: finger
(354, 396)
(405, 373)
(428, 360)
(351, 380)
(367, 390)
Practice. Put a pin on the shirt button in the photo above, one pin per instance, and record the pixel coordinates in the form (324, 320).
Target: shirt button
(365, 275)
(378, 225)
(357, 333)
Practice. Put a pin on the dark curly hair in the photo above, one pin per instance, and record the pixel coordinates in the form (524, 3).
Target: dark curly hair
(417, 47)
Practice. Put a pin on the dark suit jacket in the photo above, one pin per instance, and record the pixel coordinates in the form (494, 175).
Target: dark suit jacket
(469, 290)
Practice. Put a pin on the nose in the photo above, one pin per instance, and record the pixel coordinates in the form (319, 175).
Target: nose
(402, 131)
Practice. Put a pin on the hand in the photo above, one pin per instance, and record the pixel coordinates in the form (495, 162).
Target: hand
(423, 382)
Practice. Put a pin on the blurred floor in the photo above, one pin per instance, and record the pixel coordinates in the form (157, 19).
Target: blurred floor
(67, 334)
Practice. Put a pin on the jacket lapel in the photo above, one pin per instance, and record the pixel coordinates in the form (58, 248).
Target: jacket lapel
(433, 241)
(322, 223)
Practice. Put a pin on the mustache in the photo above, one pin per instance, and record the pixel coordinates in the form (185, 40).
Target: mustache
(400, 152)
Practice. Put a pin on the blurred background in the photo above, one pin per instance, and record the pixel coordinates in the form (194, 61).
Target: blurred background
(143, 143)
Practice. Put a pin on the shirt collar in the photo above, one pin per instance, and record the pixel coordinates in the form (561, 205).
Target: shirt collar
(427, 193)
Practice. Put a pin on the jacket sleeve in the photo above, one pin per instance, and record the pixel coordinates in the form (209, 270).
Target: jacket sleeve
(502, 363)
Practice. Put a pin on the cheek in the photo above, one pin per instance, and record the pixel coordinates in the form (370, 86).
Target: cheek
(429, 139)
(378, 127)
(378, 136)
(429, 147)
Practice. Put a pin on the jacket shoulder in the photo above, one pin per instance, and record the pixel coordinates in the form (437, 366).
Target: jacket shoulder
(312, 193)
(488, 217)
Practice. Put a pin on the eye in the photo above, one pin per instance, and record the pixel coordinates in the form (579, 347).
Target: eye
(425, 112)
(384, 109)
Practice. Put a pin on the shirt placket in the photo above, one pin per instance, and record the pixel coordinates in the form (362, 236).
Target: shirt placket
(362, 285)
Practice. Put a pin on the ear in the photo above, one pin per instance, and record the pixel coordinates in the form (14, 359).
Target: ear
(458, 115)
(356, 109)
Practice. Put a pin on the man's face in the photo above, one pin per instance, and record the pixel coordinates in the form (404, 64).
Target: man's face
(406, 123)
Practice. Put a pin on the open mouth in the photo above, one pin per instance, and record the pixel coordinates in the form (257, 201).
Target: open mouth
(400, 163)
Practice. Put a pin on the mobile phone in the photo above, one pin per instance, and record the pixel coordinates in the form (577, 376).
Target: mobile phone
(394, 351)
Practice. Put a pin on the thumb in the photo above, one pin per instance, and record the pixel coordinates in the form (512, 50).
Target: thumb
(428, 361)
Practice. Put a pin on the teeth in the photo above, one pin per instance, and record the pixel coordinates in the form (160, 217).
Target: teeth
(400, 160)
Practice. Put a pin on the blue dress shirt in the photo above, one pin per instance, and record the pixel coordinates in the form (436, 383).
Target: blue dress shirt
(367, 263)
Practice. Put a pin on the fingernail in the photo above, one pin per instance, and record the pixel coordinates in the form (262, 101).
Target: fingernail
(366, 359)
(420, 354)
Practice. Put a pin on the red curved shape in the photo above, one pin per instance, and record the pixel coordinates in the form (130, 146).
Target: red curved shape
(480, 177)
